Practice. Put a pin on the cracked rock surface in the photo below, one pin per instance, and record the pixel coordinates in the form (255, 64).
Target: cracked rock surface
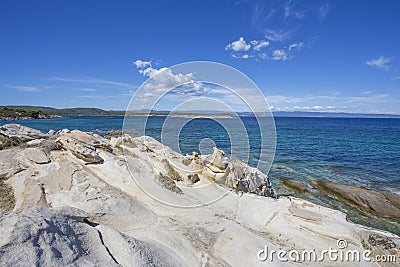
(116, 212)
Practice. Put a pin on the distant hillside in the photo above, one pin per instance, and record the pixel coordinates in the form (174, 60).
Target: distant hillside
(100, 112)
(23, 114)
(67, 111)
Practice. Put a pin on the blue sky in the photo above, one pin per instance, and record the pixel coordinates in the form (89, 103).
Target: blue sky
(304, 55)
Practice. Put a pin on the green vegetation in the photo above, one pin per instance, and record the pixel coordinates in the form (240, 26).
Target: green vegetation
(61, 112)
(7, 200)
(19, 113)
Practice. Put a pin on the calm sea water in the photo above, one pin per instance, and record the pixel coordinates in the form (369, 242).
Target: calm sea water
(352, 151)
(344, 150)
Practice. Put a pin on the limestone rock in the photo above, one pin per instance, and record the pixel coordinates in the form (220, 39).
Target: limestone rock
(9, 165)
(82, 151)
(218, 159)
(39, 236)
(93, 140)
(22, 133)
(36, 155)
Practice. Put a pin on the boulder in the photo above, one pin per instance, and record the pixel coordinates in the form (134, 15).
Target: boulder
(21, 133)
(80, 150)
(36, 155)
(378, 203)
(218, 159)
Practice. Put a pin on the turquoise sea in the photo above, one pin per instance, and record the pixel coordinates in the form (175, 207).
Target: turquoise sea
(344, 150)
(355, 151)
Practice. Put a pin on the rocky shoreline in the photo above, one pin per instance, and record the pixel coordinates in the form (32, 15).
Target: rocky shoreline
(77, 198)
(28, 118)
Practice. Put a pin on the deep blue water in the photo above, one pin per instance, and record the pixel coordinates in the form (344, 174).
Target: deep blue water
(344, 150)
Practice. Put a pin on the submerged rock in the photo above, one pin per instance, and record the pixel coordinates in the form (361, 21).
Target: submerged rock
(378, 203)
(294, 185)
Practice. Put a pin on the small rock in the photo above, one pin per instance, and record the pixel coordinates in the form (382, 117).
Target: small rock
(193, 178)
(22, 133)
(36, 155)
(94, 140)
(35, 142)
(218, 159)
(80, 150)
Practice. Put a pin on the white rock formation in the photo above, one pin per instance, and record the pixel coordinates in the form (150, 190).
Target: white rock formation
(118, 212)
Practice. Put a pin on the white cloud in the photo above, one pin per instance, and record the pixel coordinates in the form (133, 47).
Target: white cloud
(258, 45)
(380, 63)
(25, 88)
(323, 10)
(369, 98)
(296, 46)
(279, 54)
(88, 89)
(263, 55)
(164, 80)
(241, 48)
(242, 56)
(239, 45)
(367, 92)
(142, 64)
(277, 35)
(94, 81)
(289, 10)
(396, 78)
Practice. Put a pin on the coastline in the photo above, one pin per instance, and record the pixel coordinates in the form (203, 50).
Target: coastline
(94, 175)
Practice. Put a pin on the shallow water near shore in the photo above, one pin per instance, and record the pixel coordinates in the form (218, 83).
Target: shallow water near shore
(353, 151)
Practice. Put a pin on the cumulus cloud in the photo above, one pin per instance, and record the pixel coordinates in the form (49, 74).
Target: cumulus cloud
(279, 55)
(239, 45)
(163, 80)
(263, 55)
(241, 56)
(258, 45)
(241, 48)
(142, 64)
(295, 46)
(380, 63)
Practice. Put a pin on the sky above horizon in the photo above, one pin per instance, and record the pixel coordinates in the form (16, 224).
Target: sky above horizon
(338, 56)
